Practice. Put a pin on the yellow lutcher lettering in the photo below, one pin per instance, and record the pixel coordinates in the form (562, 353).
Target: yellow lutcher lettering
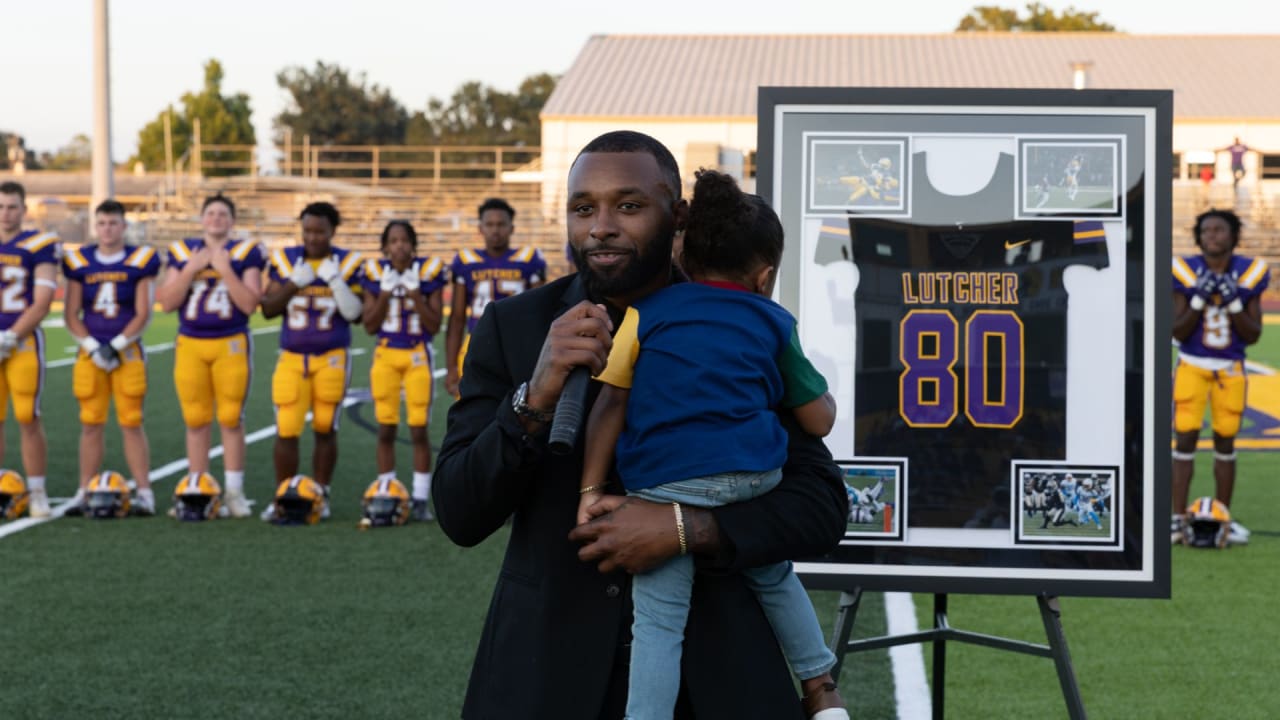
(966, 288)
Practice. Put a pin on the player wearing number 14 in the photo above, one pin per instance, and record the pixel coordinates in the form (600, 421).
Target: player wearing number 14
(316, 287)
(214, 282)
(1217, 311)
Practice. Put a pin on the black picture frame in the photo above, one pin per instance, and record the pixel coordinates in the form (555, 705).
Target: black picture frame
(1131, 197)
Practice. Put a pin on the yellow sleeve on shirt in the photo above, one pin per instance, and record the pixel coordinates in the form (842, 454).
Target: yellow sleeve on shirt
(622, 357)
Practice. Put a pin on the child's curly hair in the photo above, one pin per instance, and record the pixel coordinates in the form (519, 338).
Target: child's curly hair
(729, 232)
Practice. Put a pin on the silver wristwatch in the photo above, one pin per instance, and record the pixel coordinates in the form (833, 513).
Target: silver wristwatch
(520, 404)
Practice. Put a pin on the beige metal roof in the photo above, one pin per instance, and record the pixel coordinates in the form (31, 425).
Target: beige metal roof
(1217, 76)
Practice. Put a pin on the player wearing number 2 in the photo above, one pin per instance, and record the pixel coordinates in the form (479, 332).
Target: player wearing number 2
(484, 276)
(1217, 311)
(402, 306)
(316, 286)
(28, 272)
(214, 282)
(108, 305)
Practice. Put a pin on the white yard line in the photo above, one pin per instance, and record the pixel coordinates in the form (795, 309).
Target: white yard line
(164, 471)
(910, 686)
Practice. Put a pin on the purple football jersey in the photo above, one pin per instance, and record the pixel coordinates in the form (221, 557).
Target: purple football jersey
(18, 260)
(110, 284)
(402, 327)
(485, 278)
(208, 311)
(312, 323)
(1213, 336)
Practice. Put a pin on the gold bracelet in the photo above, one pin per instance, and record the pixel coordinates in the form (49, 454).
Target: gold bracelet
(591, 489)
(684, 546)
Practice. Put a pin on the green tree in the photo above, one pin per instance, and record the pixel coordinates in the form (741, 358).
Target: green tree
(991, 18)
(478, 114)
(75, 155)
(224, 120)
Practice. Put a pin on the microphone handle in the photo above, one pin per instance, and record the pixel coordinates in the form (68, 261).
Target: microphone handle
(569, 412)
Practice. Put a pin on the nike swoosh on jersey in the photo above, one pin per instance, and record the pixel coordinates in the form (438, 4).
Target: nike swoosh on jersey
(1011, 245)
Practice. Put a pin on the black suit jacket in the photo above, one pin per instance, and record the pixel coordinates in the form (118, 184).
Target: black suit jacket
(556, 640)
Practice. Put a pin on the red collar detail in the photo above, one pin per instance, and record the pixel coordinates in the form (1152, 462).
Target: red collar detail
(723, 285)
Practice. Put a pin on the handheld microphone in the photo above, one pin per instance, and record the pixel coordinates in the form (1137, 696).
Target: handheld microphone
(568, 418)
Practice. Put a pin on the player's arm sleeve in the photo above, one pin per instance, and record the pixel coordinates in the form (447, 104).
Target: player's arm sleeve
(622, 356)
(488, 465)
(1184, 278)
(805, 516)
(801, 381)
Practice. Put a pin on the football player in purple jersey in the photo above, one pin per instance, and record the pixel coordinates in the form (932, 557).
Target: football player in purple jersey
(214, 283)
(316, 287)
(28, 272)
(1217, 312)
(484, 276)
(108, 305)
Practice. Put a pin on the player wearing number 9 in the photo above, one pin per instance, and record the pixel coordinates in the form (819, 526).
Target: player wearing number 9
(108, 305)
(28, 272)
(1217, 311)
(402, 306)
(214, 283)
(316, 287)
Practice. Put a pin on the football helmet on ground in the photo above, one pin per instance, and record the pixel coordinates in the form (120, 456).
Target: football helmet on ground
(198, 496)
(386, 503)
(13, 495)
(1208, 524)
(107, 496)
(299, 501)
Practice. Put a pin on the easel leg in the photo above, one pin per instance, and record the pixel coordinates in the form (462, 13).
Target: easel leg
(1051, 614)
(939, 656)
(843, 628)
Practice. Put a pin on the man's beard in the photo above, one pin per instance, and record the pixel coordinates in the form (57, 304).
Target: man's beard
(643, 267)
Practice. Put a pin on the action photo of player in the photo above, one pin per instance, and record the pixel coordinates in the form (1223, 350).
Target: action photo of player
(483, 276)
(316, 287)
(876, 184)
(109, 290)
(403, 308)
(214, 283)
(30, 260)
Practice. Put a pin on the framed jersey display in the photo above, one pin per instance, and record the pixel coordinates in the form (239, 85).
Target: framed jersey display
(980, 277)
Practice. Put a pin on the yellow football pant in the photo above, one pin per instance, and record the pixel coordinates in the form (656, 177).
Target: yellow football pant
(213, 370)
(393, 369)
(22, 379)
(95, 388)
(1224, 390)
(305, 382)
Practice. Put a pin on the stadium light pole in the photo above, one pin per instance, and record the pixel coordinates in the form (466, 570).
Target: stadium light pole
(103, 175)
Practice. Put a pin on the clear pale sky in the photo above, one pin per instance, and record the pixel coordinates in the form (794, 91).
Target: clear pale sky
(426, 49)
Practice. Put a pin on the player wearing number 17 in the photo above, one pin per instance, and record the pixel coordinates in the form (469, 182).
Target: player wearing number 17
(108, 305)
(1217, 311)
(28, 268)
(214, 282)
(316, 286)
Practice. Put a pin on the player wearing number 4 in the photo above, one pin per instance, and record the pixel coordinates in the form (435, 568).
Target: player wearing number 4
(1217, 311)
(28, 272)
(108, 305)
(316, 286)
(481, 277)
(214, 282)
(402, 306)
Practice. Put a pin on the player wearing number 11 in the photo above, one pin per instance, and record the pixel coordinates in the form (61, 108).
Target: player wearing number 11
(316, 286)
(108, 305)
(214, 283)
(402, 306)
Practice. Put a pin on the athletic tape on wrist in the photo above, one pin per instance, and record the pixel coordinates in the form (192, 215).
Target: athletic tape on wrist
(1197, 302)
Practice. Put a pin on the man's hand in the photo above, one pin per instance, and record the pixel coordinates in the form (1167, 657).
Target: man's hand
(328, 270)
(302, 274)
(1206, 284)
(220, 260)
(452, 379)
(580, 337)
(410, 279)
(200, 259)
(1229, 293)
(106, 357)
(8, 343)
(629, 534)
(390, 281)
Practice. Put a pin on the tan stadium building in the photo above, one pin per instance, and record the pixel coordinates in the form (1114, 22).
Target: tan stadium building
(697, 93)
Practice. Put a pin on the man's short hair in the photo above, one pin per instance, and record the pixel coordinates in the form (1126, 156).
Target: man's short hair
(628, 141)
(496, 204)
(13, 188)
(219, 198)
(323, 210)
(110, 207)
(1230, 218)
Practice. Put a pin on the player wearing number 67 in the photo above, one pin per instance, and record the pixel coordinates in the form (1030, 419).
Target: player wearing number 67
(402, 306)
(214, 283)
(1217, 311)
(108, 305)
(28, 272)
(316, 287)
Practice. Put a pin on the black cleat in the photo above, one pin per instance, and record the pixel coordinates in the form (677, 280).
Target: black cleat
(422, 511)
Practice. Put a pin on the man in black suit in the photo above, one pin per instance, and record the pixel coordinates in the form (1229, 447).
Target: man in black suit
(556, 641)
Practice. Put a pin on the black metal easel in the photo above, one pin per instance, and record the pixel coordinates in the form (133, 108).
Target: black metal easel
(942, 631)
